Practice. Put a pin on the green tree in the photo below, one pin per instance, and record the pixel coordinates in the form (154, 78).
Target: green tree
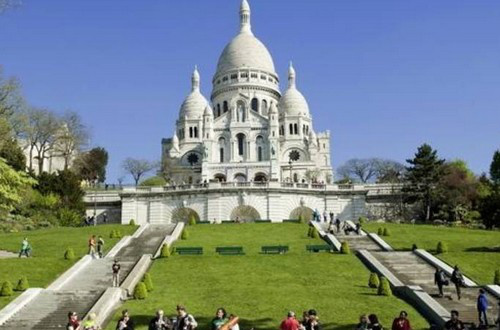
(165, 251)
(148, 282)
(344, 248)
(384, 288)
(13, 155)
(373, 281)
(140, 291)
(6, 289)
(66, 185)
(91, 165)
(12, 185)
(153, 181)
(495, 168)
(422, 177)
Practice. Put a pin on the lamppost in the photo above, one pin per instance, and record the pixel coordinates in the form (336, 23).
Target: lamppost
(290, 164)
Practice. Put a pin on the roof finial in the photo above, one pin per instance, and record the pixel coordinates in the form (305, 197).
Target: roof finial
(195, 79)
(245, 26)
(291, 76)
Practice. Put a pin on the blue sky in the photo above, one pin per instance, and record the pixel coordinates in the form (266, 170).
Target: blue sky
(382, 76)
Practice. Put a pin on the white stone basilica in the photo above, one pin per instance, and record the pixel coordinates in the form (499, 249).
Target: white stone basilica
(249, 131)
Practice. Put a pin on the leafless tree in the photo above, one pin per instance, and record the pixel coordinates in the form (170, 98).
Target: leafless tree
(72, 136)
(138, 167)
(359, 169)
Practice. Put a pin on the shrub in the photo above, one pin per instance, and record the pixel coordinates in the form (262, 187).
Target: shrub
(373, 281)
(131, 222)
(69, 254)
(387, 232)
(344, 248)
(118, 234)
(192, 220)
(310, 232)
(380, 231)
(69, 218)
(302, 219)
(362, 220)
(496, 279)
(22, 284)
(140, 291)
(6, 289)
(414, 247)
(112, 234)
(441, 247)
(384, 288)
(165, 251)
(148, 282)
(185, 234)
(315, 233)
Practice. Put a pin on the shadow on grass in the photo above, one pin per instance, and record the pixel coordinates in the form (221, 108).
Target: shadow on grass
(483, 249)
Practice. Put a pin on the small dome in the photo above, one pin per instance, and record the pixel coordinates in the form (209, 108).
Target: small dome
(293, 103)
(195, 103)
(208, 111)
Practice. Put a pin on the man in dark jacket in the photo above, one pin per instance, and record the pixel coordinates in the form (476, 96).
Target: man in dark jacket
(160, 322)
(482, 307)
(440, 280)
(125, 322)
(458, 279)
(454, 323)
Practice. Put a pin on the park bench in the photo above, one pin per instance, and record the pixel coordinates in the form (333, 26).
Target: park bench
(262, 221)
(229, 250)
(317, 248)
(291, 220)
(274, 249)
(203, 223)
(189, 250)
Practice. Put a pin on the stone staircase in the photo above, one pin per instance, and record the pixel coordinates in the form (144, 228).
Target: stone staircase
(49, 309)
(413, 270)
(358, 242)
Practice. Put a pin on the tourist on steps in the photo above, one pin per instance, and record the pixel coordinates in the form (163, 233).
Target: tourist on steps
(100, 246)
(458, 279)
(184, 320)
(290, 323)
(332, 217)
(401, 322)
(92, 244)
(73, 323)
(325, 216)
(220, 319)
(363, 323)
(116, 273)
(440, 280)
(159, 322)
(454, 323)
(125, 322)
(25, 248)
(482, 307)
(337, 223)
(374, 323)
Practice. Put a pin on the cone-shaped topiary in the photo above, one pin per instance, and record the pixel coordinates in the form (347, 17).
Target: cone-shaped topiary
(315, 233)
(140, 292)
(112, 234)
(69, 254)
(387, 232)
(384, 288)
(185, 234)
(192, 220)
(131, 222)
(380, 231)
(496, 279)
(344, 248)
(373, 281)
(414, 247)
(148, 282)
(22, 284)
(441, 247)
(310, 232)
(118, 234)
(165, 251)
(6, 290)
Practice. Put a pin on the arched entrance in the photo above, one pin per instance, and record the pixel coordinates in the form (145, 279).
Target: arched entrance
(260, 177)
(301, 212)
(240, 177)
(245, 213)
(183, 214)
(220, 177)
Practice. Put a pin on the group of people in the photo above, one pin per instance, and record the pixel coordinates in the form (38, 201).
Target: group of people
(75, 324)
(310, 321)
(96, 246)
(371, 322)
(182, 321)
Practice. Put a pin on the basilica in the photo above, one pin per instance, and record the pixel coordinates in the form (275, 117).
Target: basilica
(249, 130)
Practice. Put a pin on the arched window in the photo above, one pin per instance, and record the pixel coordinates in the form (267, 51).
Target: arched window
(222, 145)
(259, 142)
(190, 132)
(259, 154)
(196, 132)
(295, 177)
(295, 129)
(255, 104)
(264, 106)
(221, 155)
(291, 129)
(225, 106)
(218, 110)
(241, 143)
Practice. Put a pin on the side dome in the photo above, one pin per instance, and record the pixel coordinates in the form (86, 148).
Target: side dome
(195, 103)
(293, 103)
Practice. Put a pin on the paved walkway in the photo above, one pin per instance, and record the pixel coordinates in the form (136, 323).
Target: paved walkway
(50, 308)
(7, 254)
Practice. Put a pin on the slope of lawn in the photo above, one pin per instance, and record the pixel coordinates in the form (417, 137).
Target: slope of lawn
(49, 246)
(477, 252)
(259, 288)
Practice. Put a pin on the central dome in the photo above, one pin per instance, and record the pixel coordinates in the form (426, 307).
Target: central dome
(245, 50)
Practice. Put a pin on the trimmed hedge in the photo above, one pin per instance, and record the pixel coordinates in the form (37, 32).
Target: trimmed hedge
(442, 247)
(192, 220)
(165, 251)
(7, 289)
(373, 281)
(315, 233)
(384, 288)
(380, 231)
(22, 284)
(140, 292)
(362, 220)
(387, 232)
(131, 222)
(344, 248)
(414, 247)
(69, 254)
(185, 234)
(148, 282)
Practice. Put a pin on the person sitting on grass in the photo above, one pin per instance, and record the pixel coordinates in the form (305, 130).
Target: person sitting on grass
(305, 318)
(90, 323)
(312, 320)
(73, 323)
(159, 322)
(184, 320)
(401, 322)
(290, 323)
(454, 322)
(374, 323)
(220, 319)
(233, 322)
(125, 322)
(363, 323)
(25, 248)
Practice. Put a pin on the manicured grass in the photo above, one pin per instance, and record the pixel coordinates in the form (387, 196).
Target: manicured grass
(260, 289)
(477, 252)
(49, 245)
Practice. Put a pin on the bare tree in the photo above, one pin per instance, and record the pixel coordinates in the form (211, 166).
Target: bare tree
(389, 171)
(8, 4)
(138, 167)
(313, 174)
(11, 99)
(72, 136)
(359, 169)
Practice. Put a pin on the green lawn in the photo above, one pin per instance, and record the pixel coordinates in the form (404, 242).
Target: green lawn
(49, 245)
(262, 288)
(476, 251)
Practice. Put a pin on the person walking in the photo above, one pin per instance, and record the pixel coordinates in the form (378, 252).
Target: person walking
(100, 246)
(458, 279)
(116, 273)
(325, 216)
(337, 223)
(159, 322)
(332, 217)
(73, 323)
(290, 323)
(125, 322)
(401, 322)
(482, 307)
(25, 248)
(440, 280)
(454, 322)
(92, 244)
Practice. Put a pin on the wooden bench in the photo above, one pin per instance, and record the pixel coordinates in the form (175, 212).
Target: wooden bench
(189, 250)
(274, 249)
(229, 250)
(203, 222)
(317, 248)
(262, 221)
(291, 220)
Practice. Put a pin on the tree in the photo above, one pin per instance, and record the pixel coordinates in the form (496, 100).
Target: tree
(153, 181)
(495, 168)
(11, 99)
(359, 169)
(12, 185)
(422, 176)
(66, 185)
(91, 165)
(138, 167)
(389, 171)
(312, 174)
(72, 136)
